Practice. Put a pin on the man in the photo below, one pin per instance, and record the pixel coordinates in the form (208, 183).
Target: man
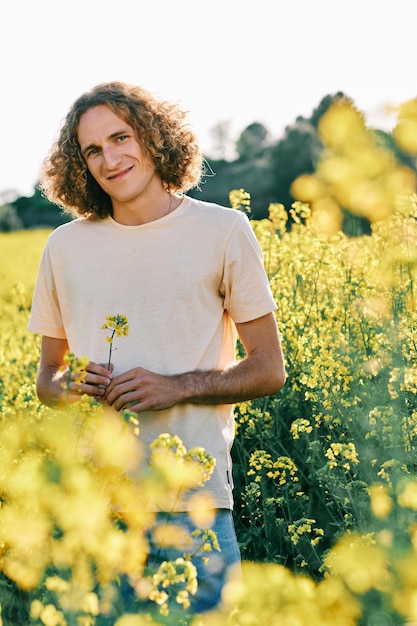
(186, 274)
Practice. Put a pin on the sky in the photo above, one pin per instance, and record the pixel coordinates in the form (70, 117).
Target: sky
(223, 61)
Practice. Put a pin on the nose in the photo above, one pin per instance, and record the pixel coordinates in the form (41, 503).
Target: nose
(111, 157)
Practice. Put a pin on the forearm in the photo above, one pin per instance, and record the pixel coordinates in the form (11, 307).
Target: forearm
(58, 384)
(50, 387)
(57, 388)
(245, 380)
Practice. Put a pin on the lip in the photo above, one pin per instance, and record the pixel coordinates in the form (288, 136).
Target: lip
(120, 175)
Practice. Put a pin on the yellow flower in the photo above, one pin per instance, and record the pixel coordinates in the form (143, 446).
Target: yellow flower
(240, 199)
(381, 502)
(118, 326)
(360, 563)
(408, 496)
(342, 453)
(76, 366)
(300, 425)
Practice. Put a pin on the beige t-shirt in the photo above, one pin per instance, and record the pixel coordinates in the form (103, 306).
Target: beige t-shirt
(182, 281)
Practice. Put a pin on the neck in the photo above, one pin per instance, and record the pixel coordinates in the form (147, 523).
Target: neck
(144, 209)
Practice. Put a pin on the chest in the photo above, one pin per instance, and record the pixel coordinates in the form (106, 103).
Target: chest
(141, 268)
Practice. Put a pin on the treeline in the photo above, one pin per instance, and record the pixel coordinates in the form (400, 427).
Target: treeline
(264, 167)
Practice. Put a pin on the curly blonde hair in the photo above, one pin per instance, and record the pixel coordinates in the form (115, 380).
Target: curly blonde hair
(161, 128)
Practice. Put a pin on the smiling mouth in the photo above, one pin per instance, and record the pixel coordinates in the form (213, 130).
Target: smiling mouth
(120, 174)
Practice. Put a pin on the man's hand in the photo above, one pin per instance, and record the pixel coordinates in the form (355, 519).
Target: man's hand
(92, 382)
(142, 390)
(53, 386)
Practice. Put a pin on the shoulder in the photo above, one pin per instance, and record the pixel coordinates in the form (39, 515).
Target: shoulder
(76, 226)
(212, 212)
(71, 236)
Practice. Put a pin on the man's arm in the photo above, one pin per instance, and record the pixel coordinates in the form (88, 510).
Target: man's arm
(52, 379)
(260, 373)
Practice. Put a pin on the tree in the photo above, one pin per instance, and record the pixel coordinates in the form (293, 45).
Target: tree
(252, 141)
(220, 134)
(299, 150)
(9, 219)
(296, 153)
(387, 141)
(37, 211)
(324, 105)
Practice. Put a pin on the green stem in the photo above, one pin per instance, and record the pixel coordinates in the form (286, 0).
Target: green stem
(67, 386)
(110, 350)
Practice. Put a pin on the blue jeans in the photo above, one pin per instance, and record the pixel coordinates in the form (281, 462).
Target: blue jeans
(212, 567)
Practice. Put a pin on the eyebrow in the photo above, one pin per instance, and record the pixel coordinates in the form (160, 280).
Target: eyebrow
(122, 131)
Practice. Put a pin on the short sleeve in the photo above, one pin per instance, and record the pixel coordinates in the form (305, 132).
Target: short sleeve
(45, 317)
(246, 289)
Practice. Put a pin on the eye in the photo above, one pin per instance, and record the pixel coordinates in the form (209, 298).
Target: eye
(122, 138)
(92, 152)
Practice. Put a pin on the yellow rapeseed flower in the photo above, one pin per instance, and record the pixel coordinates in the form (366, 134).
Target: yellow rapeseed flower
(118, 326)
(360, 563)
(356, 171)
(407, 497)
(240, 199)
(405, 131)
(381, 502)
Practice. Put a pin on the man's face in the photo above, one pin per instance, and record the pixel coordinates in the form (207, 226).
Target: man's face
(113, 154)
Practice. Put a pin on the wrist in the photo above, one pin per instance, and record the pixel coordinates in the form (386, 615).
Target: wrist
(184, 387)
(197, 386)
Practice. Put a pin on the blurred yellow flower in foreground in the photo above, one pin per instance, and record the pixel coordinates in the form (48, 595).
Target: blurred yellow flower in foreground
(405, 131)
(381, 502)
(360, 563)
(271, 594)
(408, 496)
(356, 172)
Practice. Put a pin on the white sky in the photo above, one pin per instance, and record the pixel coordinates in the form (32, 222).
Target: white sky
(224, 60)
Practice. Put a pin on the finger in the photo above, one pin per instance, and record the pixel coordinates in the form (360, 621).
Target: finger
(106, 366)
(115, 390)
(126, 395)
(81, 388)
(132, 407)
(101, 369)
(99, 380)
(122, 401)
